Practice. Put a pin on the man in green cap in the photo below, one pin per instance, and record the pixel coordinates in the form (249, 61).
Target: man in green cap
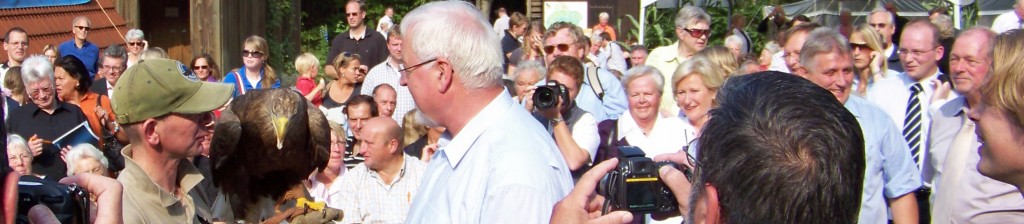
(166, 117)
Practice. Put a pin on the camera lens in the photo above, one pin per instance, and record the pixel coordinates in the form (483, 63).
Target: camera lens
(544, 97)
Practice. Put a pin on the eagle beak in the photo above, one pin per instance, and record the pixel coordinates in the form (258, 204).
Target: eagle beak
(279, 129)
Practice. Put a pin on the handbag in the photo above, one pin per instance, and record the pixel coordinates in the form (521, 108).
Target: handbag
(111, 147)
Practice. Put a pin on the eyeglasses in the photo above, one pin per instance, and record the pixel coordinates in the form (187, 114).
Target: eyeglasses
(406, 70)
(878, 25)
(859, 46)
(551, 48)
(138, 44)
(85, 28)
(908, 52)
(698, 33)
(200, 67)
(352, 14)
(39, 91)
(252, 54)
(111, 68)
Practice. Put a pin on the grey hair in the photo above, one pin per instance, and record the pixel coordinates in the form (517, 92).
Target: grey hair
(36, 68)
(945, 25)
(87, 21)
(644, 71)
(772, 47)
(535, 66)
(154, 52)
(826, 40)
(892, 21)
(690, 14)
(602, 15)
(135, 34)
(16, 140)
(116, 51)
(738, 40)
(82, 151)
(457, 31)
(596, 38)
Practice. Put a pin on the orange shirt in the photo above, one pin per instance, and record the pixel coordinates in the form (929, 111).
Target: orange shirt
(88, 105)
(606, 28)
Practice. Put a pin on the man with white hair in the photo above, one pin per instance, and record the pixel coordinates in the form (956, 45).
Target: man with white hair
(603, 27)
(736, 46)
(693, 28)
(494, 162)
(1010, 20)
(79, 46)
(45, 119)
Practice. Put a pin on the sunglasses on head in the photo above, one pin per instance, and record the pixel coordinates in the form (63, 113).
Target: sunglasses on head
(698, 33)
(253, 54)
(551, 48)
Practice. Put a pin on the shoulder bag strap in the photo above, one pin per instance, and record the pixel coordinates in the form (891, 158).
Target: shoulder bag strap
(595, 82)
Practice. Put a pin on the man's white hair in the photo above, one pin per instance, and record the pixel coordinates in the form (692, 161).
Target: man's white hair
(457, 31)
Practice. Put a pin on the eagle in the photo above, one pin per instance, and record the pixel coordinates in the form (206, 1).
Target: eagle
(264, 145)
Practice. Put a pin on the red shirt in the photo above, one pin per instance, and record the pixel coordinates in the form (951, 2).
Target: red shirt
(306, 85)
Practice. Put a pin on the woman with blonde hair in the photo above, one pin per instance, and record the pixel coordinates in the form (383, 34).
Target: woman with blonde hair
(868, 58)
(694, 85)
(1000, 116)
(51, 52)
(721, 57)
(255, 73)
(532, 49)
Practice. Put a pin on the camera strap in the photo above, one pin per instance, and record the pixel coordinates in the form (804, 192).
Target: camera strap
(595, 82)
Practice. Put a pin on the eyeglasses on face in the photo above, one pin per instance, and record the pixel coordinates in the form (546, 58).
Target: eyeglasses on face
(551, 48)
(136, 44)
(406, 70)
(84, 28)
(909, 52)
(252, 54)
(698, 33)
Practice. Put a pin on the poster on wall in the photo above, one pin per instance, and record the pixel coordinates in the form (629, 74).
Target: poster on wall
(572, 12)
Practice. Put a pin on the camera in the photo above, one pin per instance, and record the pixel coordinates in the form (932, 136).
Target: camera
(69, 203)
(635, 184)
(547, 94)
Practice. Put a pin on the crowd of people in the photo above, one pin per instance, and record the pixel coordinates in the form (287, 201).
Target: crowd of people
(444, 117)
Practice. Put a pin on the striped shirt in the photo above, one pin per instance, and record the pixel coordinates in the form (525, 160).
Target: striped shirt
(365, 197)
(385, 73)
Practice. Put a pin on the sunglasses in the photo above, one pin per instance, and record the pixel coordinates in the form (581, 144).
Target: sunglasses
(252, 54)
(551, 48)
(352, 14)
(698, 33)
(200, 67)
(135, 43)
(859, 46)
(86, 28)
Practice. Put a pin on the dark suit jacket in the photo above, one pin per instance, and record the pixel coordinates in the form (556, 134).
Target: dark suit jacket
(99, 87)
(894, 61)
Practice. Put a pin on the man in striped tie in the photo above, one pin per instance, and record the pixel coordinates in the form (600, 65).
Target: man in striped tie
(910, 96)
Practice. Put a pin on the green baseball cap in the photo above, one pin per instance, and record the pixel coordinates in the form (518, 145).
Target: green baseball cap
(155, 87)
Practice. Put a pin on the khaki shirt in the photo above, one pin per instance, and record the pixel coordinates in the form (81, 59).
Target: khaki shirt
(145, 202)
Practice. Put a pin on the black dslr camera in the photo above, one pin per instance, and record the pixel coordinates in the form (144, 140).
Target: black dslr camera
(635, 185)
(69, 203)
(546, 95)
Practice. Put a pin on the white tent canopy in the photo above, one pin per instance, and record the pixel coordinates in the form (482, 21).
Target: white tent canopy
(826, 12)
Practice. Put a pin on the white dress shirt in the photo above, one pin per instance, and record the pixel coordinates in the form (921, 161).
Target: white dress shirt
(891, 95)
(978, 199)
(385, 73)
(1006, 21)
(503, 167)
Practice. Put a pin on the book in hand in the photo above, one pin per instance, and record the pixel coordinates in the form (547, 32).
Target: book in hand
(78, 135)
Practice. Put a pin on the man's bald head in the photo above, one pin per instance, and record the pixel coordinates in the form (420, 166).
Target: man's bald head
(383, 129)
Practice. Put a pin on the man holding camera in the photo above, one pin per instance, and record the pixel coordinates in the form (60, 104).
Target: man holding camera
(574, 129)
(768, 127)
(604, 99)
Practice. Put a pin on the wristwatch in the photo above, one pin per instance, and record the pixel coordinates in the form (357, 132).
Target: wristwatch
(556, 120)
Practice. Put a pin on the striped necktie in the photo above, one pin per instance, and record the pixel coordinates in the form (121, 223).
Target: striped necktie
(912, 124)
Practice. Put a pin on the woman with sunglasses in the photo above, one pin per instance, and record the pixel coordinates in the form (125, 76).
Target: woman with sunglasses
(872, 66)
(206, 69)
(350, 80)
(256, 73)
(136, 45)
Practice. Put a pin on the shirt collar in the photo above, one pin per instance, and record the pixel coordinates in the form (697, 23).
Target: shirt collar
(351, 35)
(57, 106)
(925, 82)
(628, 126)
(401, 173)
(674, 58)
(188, 178)
(456, 147)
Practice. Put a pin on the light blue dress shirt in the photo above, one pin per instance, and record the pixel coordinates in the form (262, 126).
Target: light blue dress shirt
(502, 167)
(614, 102)
(890, 172)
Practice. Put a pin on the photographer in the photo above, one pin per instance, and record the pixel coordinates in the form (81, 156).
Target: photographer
(574, 130)
(768, 128)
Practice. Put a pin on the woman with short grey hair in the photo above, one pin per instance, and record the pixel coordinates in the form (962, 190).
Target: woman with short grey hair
(19, 157)
(86, 158)
(136, 45)
(527, 74)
